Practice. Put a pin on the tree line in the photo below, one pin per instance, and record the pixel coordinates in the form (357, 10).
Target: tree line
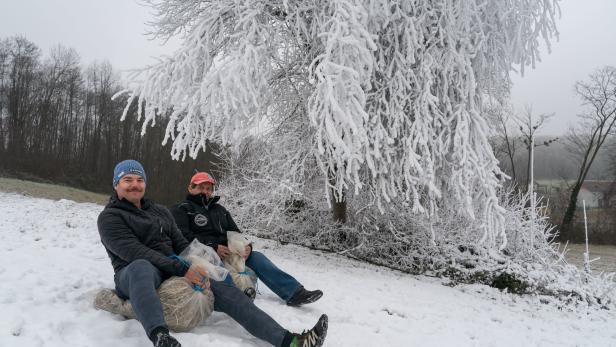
(58, 123)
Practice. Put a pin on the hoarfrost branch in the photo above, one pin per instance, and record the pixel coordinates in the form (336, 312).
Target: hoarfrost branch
(386, 94)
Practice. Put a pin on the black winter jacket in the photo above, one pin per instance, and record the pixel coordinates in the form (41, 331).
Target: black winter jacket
(204, 219)
(129, 233)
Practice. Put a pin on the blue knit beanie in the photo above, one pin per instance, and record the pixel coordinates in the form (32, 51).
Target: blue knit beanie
(128, 167)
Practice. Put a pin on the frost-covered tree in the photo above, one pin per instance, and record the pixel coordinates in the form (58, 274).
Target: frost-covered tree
(384, 96)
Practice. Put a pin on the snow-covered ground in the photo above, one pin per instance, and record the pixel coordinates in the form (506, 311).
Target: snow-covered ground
(53, 263)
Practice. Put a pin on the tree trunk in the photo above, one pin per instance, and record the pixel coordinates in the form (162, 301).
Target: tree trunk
(570, 212)
(339, 208)
(526, 186)
(511, 160)
(338, 201)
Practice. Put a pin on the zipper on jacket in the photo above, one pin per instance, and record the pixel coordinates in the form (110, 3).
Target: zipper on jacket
(206, 206)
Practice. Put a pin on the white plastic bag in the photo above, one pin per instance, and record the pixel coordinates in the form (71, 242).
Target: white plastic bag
(205, 256)
(243, 277)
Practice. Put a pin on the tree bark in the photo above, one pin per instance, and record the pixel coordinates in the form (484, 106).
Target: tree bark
(338, 201)
(570, 212)
(339, 208)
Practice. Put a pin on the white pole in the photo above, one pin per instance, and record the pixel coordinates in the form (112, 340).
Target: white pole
(586, 254)
(531, 190)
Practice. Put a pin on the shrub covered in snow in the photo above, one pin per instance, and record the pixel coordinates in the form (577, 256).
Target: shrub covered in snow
(401, 239)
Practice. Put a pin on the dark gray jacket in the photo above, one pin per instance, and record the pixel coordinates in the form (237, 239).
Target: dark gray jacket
(149, 233)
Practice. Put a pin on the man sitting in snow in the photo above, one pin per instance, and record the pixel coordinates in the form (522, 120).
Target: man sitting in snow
(141, 237)
(201, 217)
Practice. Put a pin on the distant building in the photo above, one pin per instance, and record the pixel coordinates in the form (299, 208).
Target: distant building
(551, 188)
(598, 194)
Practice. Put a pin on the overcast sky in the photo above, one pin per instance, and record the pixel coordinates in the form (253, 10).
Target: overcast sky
(98, 29)
(114, 30)
(587, 41)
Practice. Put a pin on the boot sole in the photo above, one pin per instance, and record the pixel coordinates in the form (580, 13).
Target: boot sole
(308, 300)
(325, 326)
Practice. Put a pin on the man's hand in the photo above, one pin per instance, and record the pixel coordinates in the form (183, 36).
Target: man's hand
(223, 251)
(198, 275)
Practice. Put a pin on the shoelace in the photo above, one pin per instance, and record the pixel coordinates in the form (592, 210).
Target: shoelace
(165, 340)
(311, 338)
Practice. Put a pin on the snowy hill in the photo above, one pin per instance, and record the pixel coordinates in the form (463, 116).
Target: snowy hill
(53, 263)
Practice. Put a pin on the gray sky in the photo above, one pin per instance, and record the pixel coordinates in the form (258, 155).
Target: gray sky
(113, 30)
(98, 29)
(587, 41)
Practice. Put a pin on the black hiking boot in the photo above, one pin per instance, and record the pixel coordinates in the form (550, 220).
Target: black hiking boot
(303, 296)
(313, 337)
(162, 338)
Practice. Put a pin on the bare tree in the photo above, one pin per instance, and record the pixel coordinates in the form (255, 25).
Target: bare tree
(57, 70)
(599, 95)
(506, 141)
(529, 125)
(4, 66)
(24, 60)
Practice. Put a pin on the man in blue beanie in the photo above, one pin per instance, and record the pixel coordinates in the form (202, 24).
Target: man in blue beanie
(141, 237)
(128, 166)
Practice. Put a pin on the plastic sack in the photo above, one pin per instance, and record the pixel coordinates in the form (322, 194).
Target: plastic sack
(184, 307)
(243, 277)
(205, 256)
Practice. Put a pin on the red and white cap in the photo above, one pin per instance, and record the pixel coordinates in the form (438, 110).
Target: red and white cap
(202, 177)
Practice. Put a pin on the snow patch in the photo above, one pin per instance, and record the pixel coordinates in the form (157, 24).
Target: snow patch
(47, 290)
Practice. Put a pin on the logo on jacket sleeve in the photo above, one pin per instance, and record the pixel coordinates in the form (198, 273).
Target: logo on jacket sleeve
(200, 220)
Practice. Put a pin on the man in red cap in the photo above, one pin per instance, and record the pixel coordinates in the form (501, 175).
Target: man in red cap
(200, 217)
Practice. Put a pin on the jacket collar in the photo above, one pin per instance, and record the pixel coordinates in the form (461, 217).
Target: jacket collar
(115, 201)
(202, 200)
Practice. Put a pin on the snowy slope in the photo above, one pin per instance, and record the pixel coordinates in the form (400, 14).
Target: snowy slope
(53, 262)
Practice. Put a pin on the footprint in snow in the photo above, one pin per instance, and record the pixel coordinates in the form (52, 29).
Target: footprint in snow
(17, 327)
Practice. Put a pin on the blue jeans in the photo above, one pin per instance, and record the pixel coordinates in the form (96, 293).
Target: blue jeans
(232, 301)
(280, 282)
(139, 280)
